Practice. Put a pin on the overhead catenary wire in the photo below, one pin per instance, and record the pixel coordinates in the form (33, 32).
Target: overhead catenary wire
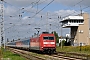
(42, 9)
(38, 11)
(32, 4)
(70, 14)
(74, 4)
(75, 12)
(38, 1)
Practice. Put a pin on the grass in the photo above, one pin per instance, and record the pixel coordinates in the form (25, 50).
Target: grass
(0, 53)
(84, 49)
(12, 56)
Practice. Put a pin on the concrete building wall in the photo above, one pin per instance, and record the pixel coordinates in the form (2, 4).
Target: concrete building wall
(89, 29)
(80, 34)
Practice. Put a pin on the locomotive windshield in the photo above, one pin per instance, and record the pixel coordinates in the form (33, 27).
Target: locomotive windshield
(48, 38)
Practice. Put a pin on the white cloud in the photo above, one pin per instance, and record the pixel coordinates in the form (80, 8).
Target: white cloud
(64, 13)
(10, 11)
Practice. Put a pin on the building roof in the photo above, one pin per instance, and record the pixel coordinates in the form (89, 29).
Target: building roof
(73, 18)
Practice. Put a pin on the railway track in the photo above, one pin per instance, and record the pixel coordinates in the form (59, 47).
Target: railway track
(63, 57)
(56, 56)
(73, 56)
(26, 54)
(59, 56)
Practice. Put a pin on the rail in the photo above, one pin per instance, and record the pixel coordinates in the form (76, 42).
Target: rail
(56, 56)
(75, 55)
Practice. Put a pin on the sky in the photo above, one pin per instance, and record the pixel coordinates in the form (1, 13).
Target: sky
(21, 17)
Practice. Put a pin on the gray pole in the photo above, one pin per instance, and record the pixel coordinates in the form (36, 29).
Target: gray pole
(47, 24)
(61, 36)
(61, 30)
(2, 23)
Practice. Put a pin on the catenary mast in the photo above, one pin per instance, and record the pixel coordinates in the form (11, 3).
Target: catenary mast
(2, 23)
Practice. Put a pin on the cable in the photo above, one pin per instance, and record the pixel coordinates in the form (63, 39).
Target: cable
(35, 5)
(45, 7)
(37, 12)
(42, 9)
(86, 7)
(75, 12)
(18, 21)
(19, 8)
(75, 4)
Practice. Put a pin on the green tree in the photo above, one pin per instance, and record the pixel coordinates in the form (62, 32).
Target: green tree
(56, 36)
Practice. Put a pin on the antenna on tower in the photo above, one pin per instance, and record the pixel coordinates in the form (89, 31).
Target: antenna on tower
(81, 10)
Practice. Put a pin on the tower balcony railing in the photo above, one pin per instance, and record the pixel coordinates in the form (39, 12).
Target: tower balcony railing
(71, 24)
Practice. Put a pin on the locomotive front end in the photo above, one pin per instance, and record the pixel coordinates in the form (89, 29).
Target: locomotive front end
(48, 43)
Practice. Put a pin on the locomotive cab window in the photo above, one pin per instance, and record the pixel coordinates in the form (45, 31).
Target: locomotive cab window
(48, 38)
(45, 38)
(51, 38)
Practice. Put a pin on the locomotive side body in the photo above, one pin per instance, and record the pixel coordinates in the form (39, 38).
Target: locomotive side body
(35, 43)
(44, 43)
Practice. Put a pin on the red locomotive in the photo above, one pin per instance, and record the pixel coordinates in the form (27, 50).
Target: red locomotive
(44, 42)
